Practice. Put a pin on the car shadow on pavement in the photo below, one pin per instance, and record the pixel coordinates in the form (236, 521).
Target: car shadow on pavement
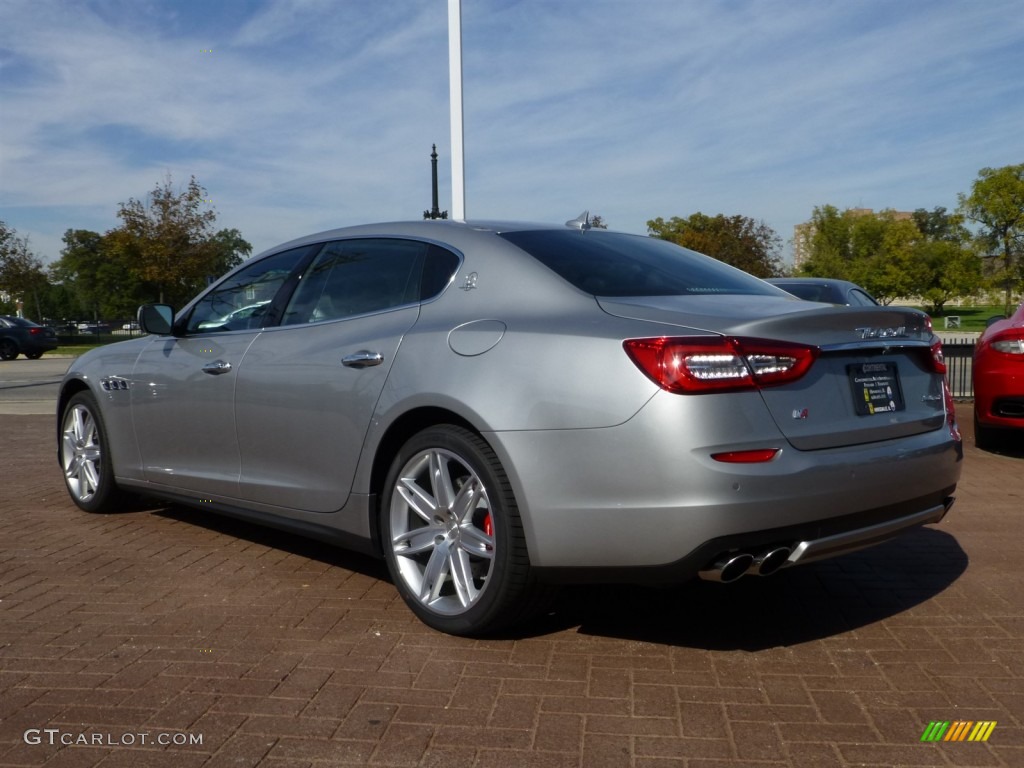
(794, 606)
(273, 538)
(1009, 445)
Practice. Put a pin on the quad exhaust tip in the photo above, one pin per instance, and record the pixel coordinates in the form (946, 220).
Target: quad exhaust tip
(734, 565)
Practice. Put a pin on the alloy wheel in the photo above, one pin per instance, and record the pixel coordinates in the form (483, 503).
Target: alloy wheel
(81, 453)
(442, 532)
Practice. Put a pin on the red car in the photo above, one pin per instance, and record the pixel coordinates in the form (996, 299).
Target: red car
(999, 379)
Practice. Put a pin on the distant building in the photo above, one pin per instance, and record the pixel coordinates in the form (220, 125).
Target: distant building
(803, 234)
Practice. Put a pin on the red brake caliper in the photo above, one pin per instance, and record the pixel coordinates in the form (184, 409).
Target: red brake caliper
(488, 525)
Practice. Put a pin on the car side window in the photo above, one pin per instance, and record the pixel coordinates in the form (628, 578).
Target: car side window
(438, 271)
(355, 277)
(244, 300)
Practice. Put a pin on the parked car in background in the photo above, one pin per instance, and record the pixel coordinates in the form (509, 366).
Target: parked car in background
(492, 406)
(825, 290)
(19, 336)
(999, 380)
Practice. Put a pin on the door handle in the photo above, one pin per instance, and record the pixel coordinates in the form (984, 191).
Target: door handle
(364, 358)
(217, 367)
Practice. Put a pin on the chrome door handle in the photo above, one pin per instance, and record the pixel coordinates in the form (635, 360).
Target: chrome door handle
(364, 358)
(217, 367)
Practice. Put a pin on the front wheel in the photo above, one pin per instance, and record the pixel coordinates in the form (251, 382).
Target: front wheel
(8, 349)
(452, 535)
(85, 456)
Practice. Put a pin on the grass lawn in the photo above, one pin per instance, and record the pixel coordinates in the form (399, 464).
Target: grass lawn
(972, 319)
(72, 349)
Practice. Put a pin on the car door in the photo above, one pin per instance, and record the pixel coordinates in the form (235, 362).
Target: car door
(308, 389)
(183, 395)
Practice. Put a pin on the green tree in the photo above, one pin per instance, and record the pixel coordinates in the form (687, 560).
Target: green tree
(878, 251)
(22, 276)
(100, 279)
(947, 267)
(230, 250)
(996, 204)
(883, 256)
(750, 245)
(828, 244)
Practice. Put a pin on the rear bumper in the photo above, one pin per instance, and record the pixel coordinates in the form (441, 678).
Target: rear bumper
(809, 550)
(807, 543)
(1004, 411)
(645, 501)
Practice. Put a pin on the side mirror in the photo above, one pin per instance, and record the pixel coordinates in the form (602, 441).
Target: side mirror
(156, 319)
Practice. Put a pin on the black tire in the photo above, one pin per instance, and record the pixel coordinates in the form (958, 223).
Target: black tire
(33, 355)
(985, 438)
(455, 547)
(85, 457)
(8, 349)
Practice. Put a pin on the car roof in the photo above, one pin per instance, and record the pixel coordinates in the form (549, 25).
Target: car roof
(446, 230)
(813, 281)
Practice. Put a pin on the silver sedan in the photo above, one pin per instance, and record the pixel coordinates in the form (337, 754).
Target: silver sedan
(493, 407)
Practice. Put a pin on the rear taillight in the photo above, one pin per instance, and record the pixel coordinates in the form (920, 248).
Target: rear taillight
(1009, 342)
(688, 365)
(938, 359)
(34, 331)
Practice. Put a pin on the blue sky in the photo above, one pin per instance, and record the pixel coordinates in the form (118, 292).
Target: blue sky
(304, 115)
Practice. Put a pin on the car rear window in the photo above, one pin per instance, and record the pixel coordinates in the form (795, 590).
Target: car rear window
(616, 264)
(807, 291)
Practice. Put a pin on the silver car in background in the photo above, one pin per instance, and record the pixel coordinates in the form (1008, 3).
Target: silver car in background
(493, 407)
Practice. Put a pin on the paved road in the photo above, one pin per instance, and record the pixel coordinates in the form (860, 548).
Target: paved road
(169, 624)
(30, 386)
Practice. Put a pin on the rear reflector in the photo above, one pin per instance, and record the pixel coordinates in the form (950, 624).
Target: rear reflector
(747, 457)
(695, 365)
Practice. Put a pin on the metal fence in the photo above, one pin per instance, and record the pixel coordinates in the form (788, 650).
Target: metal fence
(959, 354)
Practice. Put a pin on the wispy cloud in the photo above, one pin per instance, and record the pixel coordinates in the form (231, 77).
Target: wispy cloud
(306, 114)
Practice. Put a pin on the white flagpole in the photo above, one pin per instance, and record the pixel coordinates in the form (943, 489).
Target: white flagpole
(455, 99)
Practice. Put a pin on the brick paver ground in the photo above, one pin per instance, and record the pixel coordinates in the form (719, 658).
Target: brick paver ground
(167, 624)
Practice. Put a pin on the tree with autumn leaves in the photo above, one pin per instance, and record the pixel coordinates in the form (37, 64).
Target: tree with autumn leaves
(750, 245)
(164, 250)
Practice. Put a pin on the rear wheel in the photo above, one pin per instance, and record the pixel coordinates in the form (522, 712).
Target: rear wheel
(8, 349)
(85, 456)
(452, 534)
(985, 438)
(33, 355)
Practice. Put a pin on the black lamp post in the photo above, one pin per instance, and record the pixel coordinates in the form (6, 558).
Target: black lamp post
(434, 213)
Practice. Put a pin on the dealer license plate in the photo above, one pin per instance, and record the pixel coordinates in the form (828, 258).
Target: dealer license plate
(876, 388)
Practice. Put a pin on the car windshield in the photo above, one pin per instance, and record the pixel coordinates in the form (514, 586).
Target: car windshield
(616, 264)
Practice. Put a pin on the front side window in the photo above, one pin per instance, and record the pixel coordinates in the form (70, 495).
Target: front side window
(356, 277)
(245, 300)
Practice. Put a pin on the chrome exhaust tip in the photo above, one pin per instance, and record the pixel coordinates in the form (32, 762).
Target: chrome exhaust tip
(729, 568)
(770, 561)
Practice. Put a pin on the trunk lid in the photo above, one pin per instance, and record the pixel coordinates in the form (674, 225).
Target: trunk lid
(874, 378)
